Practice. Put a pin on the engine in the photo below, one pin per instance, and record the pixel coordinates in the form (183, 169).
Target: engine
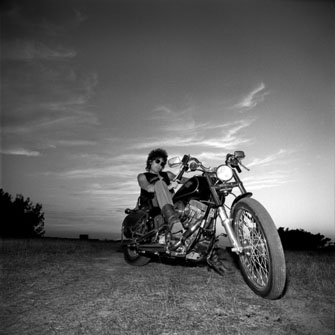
(191, 217)
(191, 213)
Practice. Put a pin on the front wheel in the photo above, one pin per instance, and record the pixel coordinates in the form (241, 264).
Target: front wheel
(262, 262)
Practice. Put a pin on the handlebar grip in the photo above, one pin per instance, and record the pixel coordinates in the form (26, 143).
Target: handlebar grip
(185, 159)
(180, 174)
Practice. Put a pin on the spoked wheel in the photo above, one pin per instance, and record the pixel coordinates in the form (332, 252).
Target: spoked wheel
(130, 252)
(263, 262)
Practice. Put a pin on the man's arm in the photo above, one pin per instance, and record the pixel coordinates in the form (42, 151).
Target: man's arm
(144, 184)
(172, 176)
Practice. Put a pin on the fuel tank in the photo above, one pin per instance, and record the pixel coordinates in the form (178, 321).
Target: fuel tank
(195, 188)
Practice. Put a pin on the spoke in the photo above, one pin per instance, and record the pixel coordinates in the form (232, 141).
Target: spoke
(257, 261)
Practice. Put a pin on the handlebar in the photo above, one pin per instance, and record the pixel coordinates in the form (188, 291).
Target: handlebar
(232, 160)
(181, 172)
(184, 168)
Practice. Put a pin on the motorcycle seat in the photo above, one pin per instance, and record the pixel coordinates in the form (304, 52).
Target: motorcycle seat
(153, 211)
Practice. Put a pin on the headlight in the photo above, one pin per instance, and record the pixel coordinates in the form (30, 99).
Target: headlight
(224, 172)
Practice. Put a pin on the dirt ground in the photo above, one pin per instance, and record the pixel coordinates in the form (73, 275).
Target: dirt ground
(98, 293)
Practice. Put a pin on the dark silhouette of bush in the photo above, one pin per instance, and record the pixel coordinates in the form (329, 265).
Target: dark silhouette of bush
(298, 239)
(20, 218)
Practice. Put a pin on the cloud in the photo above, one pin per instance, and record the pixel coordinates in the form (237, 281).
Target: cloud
(228, 136)
(58, 21)
(267, 174)
(113, 171)
(276, 157)
(171, 120)
(75, 143)
(80, 16)
(270, 179)
(45, 96)
(21, 152)
(179, 128)
(51, 132)
(115, 189)
(56, 104)
(252, 99)
(33, 50)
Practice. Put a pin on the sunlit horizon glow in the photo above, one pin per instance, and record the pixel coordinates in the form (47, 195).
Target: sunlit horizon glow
(89, 88)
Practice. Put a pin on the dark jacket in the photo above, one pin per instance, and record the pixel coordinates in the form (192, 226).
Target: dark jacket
(145, 196)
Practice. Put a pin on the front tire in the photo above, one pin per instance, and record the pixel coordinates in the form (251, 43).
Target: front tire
(263, 262)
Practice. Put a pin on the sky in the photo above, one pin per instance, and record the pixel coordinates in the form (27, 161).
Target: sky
(89, 88)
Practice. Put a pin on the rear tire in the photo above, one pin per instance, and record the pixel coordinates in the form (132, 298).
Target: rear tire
(132, 257)
(130, 251)
(263, 262)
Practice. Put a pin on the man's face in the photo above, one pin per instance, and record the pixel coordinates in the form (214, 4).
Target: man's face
(158, 164)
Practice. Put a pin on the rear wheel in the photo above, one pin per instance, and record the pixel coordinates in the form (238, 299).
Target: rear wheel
(130, 252)
(263, 262)
(132, 256)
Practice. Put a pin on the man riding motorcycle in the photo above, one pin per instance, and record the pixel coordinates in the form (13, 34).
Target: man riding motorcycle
(157, 188)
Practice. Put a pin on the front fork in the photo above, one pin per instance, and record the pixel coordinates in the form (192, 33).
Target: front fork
(227, 225)
(226, 221)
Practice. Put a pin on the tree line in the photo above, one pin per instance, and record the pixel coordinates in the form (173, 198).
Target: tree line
(299, 239)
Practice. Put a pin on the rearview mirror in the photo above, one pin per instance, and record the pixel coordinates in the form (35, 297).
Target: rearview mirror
(174, 161)
(239, 154)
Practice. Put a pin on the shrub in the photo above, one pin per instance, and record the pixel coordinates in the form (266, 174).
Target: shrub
(20, 217)
(298, 239)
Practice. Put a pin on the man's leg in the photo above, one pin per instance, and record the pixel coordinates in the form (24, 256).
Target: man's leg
(164, 199)
(162, 193)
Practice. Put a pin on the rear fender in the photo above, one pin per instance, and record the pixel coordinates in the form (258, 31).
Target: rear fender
(131, 220)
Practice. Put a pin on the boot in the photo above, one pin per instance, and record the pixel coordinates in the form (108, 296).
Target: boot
(171, 217)
(220, 263)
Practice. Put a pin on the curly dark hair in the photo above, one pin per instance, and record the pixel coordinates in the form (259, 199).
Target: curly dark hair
(156, 153)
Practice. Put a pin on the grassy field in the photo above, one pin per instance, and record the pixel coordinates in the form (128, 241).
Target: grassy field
(51, 286)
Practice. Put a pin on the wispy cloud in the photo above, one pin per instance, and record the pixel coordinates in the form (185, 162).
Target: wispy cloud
(80, 16)
(272, 170)
(29, 50)
(110, 190)
(252, 99)
(57, 104)
(75, 143)
(21, 152)
(35, 25)
(227, 136)
(45, 96)
(171, 120)
(269, 179)
(112, 171)
(276, 157)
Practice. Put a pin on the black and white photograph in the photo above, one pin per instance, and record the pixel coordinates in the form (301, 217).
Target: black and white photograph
(167, 167)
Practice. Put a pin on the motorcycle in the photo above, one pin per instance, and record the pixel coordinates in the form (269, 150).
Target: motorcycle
(201, 202)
